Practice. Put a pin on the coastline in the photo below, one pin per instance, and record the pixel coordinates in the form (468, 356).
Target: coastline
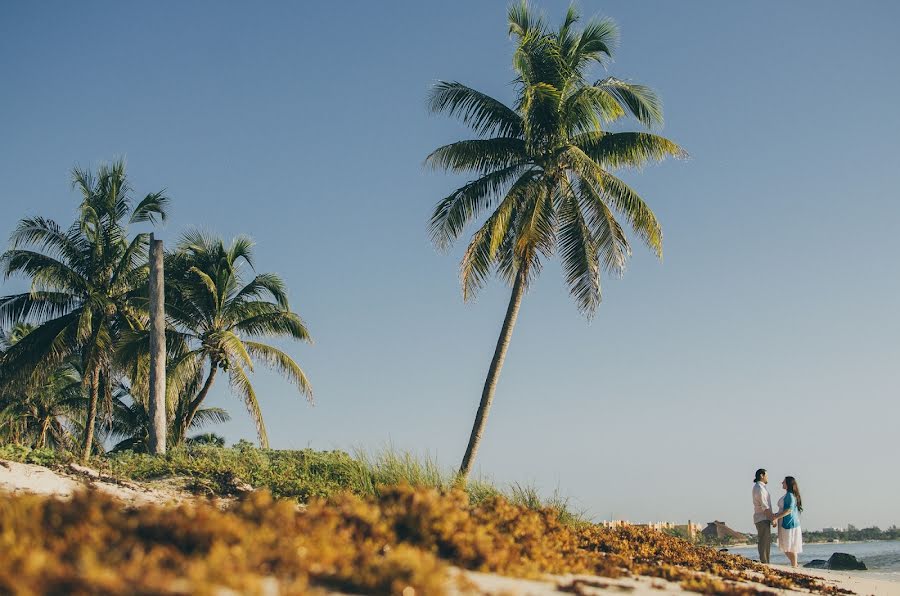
(753, 544)
(880, 556)
(856, 582)
(552, 585)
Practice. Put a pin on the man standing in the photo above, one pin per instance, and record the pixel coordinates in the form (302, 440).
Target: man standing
(762, 514)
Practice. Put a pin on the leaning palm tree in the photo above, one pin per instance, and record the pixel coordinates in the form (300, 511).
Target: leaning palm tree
(543, 170)
(83, 283)
(219, 315)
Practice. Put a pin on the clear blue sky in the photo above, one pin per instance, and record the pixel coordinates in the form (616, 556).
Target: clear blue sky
(767, 337)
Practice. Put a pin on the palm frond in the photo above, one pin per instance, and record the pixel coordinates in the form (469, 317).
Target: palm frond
(283, 364)
(260, 286)
(578, 252)
(641, 101)
(597, 42)
(36, 306)
(241, 385)
(522, 21)
(639, 215)
(273, 323)
(241, 249)
(466, 203)
(627, 149)
(134, 257)
(478, 155)
(621, 197)
(46, 235)
(209, 283)
(484, 248)
(612, 246)
(45, 271)
(484, 114)
(46, 345)
(234, 348)
(206, 416)
(152, 208)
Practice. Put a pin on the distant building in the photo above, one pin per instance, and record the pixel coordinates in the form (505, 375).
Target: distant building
(692, 529)
(615, 523)
(832, 529)
(717, 530)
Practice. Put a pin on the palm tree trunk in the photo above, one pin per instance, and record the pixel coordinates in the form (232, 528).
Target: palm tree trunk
(157, 409)
(42, 440)
(198, 401)
(92, 414)
(490, 383)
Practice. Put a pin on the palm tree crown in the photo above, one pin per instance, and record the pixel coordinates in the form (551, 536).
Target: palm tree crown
(544, 165)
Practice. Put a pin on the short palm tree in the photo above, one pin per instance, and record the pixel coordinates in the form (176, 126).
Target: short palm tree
(130, 421)
(83, 283)
(38, 410)
(218, 314)
(543, 173)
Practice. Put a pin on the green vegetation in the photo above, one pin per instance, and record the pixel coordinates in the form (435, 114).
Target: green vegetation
(300, 475)
(543, 172)
(852, 534)
(215, 313)
(74, 364)
(84, 282)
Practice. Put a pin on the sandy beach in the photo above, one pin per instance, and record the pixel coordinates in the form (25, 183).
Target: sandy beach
(857, 583)
(63, 483)
(643, 586)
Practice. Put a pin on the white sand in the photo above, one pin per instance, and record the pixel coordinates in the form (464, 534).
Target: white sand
(856, 582)
(488, 583)
(63, 483)
(644, 586)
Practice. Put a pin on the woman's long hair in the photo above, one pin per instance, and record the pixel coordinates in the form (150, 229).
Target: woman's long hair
(794, 488)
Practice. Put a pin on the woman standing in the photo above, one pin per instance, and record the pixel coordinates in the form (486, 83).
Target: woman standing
(790, 538)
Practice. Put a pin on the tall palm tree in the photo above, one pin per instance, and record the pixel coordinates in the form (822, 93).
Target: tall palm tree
(543, 170)
(83, 283)
(218, 314)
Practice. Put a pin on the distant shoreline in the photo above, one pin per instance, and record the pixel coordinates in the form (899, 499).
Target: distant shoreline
(805, 541)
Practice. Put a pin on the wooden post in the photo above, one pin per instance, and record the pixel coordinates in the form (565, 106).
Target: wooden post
(157, 350)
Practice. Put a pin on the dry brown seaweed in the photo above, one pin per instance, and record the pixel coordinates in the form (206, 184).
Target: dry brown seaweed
(404, 539)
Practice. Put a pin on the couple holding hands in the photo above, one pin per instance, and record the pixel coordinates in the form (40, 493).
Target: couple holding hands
(787, 518)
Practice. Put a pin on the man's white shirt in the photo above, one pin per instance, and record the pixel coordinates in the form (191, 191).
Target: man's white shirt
(762, 502)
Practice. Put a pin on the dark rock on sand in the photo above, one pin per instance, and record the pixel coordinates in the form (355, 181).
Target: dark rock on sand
(817, 564)
(845, 562)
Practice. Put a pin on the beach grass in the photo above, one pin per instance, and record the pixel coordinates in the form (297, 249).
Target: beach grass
(301, 474)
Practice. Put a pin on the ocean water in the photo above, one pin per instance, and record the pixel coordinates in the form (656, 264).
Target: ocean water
(882, 557)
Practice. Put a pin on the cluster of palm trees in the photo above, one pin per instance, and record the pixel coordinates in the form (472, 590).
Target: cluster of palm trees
(74, 362)
(543, 184)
